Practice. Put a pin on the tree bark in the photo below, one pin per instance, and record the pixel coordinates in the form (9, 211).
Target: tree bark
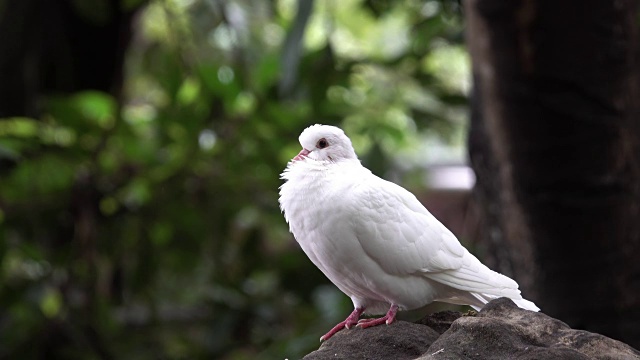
(555, 143)
(57, 47)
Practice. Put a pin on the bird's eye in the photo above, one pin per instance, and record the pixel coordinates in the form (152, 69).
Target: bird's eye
(322, 143)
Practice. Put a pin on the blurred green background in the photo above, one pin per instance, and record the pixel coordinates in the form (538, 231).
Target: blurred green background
(142, 221)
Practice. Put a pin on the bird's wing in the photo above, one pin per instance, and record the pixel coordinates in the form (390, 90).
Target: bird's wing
(403, 238)
(398, 233)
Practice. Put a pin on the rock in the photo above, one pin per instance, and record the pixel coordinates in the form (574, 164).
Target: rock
(500, 330)
(400, 340)
(440, 321)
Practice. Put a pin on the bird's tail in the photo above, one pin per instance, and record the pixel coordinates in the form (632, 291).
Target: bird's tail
(526, 304)
(522, 303)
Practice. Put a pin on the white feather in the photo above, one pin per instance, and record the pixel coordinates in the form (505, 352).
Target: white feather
(373, 239)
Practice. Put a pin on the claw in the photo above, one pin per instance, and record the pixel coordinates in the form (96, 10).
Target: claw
(387, 319)
(351, 320)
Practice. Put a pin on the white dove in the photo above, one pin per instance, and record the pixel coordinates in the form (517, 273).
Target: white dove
(374, 240)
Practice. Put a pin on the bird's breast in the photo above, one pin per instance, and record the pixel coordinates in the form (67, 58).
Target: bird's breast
(321, 215)
(313, 202)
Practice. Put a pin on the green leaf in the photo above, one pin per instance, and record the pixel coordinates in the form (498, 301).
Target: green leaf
(188, 92)
(37, 177)
(18, 127)
(51, 302)
(85, 110)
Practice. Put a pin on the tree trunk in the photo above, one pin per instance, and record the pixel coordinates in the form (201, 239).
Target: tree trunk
(555, 143)
(56, 47)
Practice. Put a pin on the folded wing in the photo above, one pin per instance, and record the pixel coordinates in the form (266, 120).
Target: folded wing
(400, 234)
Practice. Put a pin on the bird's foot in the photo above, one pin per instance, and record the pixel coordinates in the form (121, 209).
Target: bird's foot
(350, 321)
(387, 319)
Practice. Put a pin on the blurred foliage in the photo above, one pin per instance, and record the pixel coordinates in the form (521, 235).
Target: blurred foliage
(148, 227)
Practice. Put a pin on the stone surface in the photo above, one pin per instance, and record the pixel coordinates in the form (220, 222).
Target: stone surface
(400, 340)
(440, 321)
(500, 330)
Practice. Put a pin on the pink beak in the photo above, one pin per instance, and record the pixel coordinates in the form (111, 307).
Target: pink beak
(301, 154)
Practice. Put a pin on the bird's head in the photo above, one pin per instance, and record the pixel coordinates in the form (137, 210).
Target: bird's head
(325, 143)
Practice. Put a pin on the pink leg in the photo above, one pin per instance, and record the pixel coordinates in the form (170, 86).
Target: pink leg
(347, 323)
(388, 319)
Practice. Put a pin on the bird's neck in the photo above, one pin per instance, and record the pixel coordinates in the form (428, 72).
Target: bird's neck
(312, 187)
(309, 170)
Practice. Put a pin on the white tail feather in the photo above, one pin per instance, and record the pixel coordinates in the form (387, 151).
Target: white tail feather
(526, 304)
(521, 303)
